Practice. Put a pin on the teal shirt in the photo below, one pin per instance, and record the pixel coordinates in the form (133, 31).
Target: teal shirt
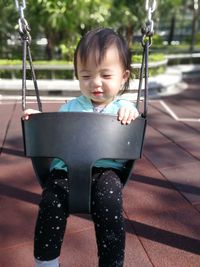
(83, 104)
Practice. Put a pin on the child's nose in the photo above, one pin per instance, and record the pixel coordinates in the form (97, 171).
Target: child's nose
(97, 81)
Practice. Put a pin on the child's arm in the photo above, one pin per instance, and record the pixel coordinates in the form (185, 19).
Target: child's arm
(28, 112)
(127, 114)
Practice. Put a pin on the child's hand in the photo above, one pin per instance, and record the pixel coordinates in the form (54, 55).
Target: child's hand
(28, 112)
(126, 115)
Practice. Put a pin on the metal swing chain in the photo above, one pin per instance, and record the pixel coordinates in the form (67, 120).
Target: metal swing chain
(148, 29)
(24, 31)
(147, 33)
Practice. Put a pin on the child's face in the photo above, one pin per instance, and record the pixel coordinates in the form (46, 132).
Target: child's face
(102, 82)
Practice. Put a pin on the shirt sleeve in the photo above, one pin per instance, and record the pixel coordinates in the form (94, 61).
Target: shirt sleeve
(64, 107)
(127, 103)
(72, 105)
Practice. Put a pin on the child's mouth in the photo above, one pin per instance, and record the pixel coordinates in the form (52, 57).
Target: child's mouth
(97, 93)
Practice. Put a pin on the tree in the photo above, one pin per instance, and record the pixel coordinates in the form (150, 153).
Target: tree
(168, 10)
(8, 21)
(174, 10)
(195, 9)
(62, 22)
(127, 16)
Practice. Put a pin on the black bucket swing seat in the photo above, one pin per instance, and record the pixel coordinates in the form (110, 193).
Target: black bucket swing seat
(103, 137)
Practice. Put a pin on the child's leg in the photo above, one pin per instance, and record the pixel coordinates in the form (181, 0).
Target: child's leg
(108, 218)
(51, 221)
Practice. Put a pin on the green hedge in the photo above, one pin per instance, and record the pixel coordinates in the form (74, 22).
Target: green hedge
(68, 74)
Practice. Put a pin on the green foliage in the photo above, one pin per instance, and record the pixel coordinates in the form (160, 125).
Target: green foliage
(69, 73)
(168, 7)
(188, 39)
(62, 23)
(152, 58)
(11, 62)
(8, 62)
(157, 40)
(152, 70)
(135, 59)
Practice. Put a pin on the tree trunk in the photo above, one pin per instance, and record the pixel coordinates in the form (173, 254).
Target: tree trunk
(49, 50)
(172, 29)
(129, 35)
(194, 28)
(49, 46)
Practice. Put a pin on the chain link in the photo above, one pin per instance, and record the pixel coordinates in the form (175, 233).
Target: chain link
(20, 7)
(148, 28)
(24, 29)
(23, 5)
(152, 7)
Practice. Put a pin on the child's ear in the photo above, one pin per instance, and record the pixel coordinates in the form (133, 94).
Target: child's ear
(126, 75)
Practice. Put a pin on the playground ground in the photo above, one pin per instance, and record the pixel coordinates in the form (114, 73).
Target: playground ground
(161, 200)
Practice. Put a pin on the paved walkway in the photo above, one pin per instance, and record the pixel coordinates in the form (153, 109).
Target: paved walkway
(161, 201)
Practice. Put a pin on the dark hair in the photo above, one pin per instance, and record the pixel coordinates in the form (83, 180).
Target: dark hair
(98, 41)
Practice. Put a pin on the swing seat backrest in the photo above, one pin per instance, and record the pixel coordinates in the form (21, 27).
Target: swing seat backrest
(79, 139)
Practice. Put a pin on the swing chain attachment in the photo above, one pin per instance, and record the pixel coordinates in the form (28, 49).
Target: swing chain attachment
(148, 29)
(24, 29)
(147, 33)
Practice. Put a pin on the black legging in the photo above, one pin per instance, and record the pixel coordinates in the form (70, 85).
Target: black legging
(106, 211)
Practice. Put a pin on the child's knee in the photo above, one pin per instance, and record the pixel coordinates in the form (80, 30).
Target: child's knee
(49, 200)
(107, 191)
(53, 203)
(110, 182)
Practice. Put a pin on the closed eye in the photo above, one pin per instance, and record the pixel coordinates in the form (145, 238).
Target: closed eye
(107, 76)
(85, 77)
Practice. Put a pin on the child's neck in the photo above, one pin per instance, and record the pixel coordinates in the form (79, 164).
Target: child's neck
(101, 105)
(98, 108)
